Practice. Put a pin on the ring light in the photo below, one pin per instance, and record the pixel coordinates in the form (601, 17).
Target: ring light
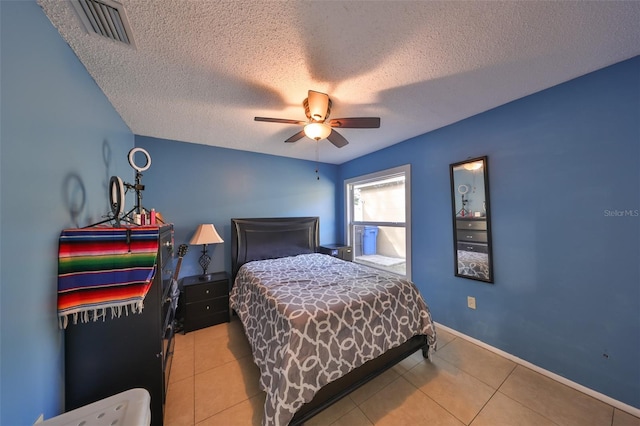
(463, 189)
(132, 153)
(116, 196)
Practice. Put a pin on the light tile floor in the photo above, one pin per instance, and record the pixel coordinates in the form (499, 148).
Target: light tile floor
(214, 381)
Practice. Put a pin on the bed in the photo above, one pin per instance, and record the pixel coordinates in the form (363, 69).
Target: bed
(319, 327)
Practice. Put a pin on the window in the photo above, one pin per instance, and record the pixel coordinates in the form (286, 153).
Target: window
(378, 219)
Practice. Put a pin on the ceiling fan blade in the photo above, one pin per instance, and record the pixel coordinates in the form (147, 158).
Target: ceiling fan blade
(337, 139)
(296, 137)
(279, 120)
(318, 105)
(356, 122)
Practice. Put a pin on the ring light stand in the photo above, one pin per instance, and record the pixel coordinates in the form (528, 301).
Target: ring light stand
(138, 187)
(117, 191)
(462, 190)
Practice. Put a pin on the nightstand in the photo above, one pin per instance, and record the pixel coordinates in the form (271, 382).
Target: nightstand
(337, 250)
(206, 300)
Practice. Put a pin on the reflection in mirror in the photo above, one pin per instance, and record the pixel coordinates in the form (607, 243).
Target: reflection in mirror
(471, 219)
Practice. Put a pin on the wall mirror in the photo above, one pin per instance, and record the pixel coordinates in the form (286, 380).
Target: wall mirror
(471, 219)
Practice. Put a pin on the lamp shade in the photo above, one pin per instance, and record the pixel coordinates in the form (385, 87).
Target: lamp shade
(317, 131)
(206, 234)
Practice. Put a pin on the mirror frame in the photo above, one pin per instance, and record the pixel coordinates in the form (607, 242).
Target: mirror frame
(471, 229)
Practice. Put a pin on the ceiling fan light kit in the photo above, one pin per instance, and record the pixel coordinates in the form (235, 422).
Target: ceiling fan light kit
(473, 166)
(317, 107)
(317, 131)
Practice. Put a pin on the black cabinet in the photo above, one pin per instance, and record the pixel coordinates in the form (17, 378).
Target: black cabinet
(337, 250)
(471, 234)
(205, 300)
(103, 358)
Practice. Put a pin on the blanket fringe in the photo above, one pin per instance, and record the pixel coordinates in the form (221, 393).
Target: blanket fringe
(94, 315)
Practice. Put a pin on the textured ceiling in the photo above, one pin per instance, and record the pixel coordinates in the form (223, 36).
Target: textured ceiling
(201, 70)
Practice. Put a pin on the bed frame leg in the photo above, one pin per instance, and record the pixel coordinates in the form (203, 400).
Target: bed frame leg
(425, 352)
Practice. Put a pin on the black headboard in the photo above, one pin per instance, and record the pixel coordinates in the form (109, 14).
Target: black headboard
(270, 238)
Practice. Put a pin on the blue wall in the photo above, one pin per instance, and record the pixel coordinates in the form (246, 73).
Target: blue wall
(60, 141)
(192, 184)
(564, 175)
(564, 172)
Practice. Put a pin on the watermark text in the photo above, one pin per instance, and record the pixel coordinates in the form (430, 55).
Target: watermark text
(622, 213)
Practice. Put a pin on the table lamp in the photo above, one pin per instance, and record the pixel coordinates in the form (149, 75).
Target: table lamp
(205, 234)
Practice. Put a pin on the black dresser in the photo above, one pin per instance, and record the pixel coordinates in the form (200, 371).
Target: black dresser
(205, 300)
(103, 358)
(337, 250)
(471, 234)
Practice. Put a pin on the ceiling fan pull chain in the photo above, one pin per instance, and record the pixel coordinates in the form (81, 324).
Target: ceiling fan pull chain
(317, 160)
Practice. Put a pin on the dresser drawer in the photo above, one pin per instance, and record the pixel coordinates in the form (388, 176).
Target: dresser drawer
(207, 307)
(472, 236)
(206, 290)
(473, 247)
(472, 224)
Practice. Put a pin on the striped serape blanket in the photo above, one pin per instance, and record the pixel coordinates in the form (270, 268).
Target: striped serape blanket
(104, 268)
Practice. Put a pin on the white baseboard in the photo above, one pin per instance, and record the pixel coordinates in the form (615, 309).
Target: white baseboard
(597, 395)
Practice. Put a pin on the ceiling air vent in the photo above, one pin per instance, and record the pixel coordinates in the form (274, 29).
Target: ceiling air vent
(105, 17)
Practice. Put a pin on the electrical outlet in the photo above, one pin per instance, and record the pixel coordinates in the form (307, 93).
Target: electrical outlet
(471, 302)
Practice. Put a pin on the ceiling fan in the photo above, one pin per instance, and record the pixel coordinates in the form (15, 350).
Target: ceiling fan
(317, 107)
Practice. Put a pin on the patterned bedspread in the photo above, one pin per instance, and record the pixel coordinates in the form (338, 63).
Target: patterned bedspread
(312, 318)
(473, 264)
